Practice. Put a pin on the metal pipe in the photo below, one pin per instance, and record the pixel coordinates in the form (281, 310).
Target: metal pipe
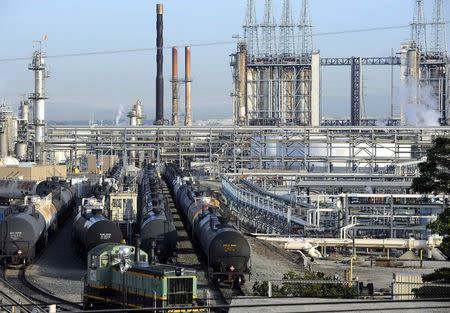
(187, 73)
(133, 122)
(174, 86)
(159, 120)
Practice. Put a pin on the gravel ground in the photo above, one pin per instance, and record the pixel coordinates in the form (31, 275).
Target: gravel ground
(59, 270)
(268, 263)
(381, 277)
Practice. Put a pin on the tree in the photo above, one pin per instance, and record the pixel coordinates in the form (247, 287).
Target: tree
(435, 172)
(435, 178)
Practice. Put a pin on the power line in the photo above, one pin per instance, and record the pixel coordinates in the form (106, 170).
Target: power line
(204, 44)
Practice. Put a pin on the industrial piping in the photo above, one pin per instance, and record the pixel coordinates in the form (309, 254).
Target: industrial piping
(187, 73)
(174, 86)
(159, 66)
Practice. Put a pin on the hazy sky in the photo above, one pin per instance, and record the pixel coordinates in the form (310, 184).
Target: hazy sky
(82, 86)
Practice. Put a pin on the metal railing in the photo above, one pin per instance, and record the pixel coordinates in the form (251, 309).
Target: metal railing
(262, 205)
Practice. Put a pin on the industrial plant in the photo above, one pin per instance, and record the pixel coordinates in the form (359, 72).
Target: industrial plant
(173, 215)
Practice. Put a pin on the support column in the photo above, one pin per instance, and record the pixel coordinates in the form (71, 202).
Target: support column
(355, 114)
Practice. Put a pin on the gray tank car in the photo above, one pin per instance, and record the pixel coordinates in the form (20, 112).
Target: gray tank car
(27, 228)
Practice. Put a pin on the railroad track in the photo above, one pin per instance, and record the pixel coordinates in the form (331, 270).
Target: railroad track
(36, 296)
(16, 281)
(11, 296)
(189, 256)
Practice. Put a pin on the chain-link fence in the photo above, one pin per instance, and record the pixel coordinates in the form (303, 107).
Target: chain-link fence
(419, 290)
(406, 289)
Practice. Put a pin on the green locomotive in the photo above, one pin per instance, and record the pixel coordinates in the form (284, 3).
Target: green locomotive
(130, 281)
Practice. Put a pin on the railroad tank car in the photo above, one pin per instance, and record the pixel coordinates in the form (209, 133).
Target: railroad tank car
(147, 285)
(157, 229)
(27, 228)
(226, 249)
(91, 229)
(17, 189)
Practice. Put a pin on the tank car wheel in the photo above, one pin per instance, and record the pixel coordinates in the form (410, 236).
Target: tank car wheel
(237, 282)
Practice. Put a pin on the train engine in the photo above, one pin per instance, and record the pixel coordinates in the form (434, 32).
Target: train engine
(120, 276)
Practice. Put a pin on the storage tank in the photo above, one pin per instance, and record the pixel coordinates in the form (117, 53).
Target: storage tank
(3, 141)
(20, 150)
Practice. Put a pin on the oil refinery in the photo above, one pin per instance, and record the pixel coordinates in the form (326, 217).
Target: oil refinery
(176, 215)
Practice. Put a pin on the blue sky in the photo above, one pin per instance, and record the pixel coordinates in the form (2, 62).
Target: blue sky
(81, 86)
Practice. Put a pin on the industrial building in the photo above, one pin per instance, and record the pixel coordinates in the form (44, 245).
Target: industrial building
(281, 181)
(276, 70)
(339, 175)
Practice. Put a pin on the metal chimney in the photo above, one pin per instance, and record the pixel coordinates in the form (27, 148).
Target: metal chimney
(159, 120)
(187, 78)
(174, 86)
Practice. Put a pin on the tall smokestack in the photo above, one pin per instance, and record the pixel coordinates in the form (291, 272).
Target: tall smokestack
(174, 86)
(159, 66)
(187, 78)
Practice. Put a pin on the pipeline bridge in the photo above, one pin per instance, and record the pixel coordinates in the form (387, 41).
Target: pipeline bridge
(233, 149)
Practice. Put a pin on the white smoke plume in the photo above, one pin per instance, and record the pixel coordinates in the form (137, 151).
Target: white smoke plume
(418, 104)
(119, 114)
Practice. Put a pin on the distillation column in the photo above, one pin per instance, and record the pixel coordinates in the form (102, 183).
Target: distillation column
(38, 97)
(315, 90)
(133, 116)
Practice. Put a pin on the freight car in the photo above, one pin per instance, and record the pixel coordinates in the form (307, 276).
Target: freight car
(90, 228)
(226, 249)
(157, 229)
(141, 285)
(18, 189)
(26, 227)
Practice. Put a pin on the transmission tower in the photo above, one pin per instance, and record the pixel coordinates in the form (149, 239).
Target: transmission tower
(305, 27)
(269, 44)
(251, 29)
(418, 26)
(287, 30)
(439, 28)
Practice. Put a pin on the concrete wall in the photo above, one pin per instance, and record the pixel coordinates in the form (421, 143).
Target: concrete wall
(35, 172)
